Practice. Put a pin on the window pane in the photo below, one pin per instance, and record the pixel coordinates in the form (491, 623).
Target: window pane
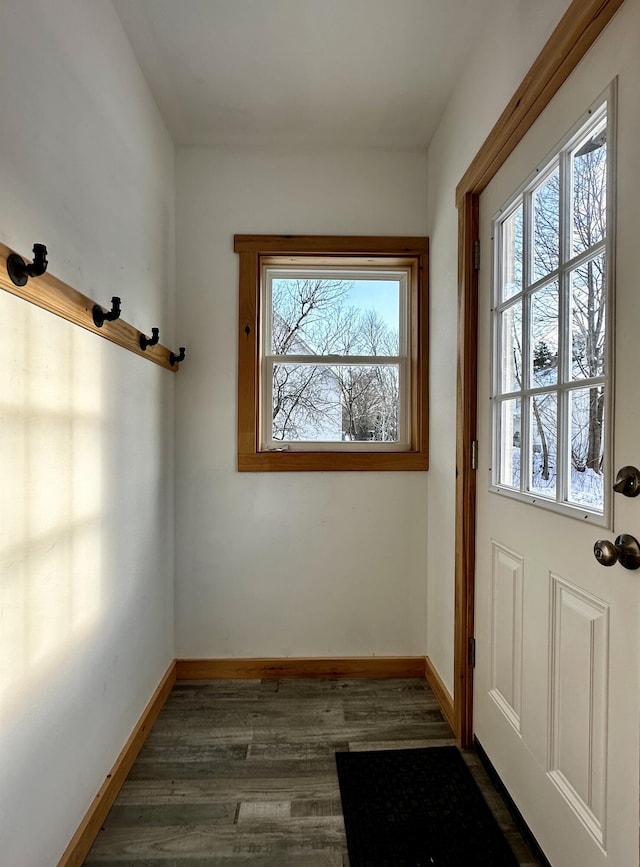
(587, 320)
(512, 255)
(544, 444)
(511, 343)
(336, 403)
(546, 226)
(320, 316)
(510, 440)
(589, 191)
(587, 447)
(544, 336)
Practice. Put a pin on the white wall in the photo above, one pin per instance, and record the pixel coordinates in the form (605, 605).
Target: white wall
(515, 33)
(284, 564)
(86, 450)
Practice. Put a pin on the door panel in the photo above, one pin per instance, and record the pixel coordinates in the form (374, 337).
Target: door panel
(506, 632)
(556, 685)
(578, 691)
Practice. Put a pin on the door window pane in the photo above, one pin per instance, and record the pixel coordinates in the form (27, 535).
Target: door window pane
(510, 442)
(589, 191)
(511, 343)
(586, 412)
(544, 336)
(546, 226)
(544, 444)
(588, 319)
(512, 255)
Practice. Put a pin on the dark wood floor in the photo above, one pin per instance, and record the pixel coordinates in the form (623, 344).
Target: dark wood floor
(243, 772)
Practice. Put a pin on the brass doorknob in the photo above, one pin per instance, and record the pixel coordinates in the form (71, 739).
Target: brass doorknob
(625, 550)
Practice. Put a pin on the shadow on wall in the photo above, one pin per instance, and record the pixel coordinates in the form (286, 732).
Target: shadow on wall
(51, 500)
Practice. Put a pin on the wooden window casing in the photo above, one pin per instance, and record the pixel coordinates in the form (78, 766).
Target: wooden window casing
(257, 251)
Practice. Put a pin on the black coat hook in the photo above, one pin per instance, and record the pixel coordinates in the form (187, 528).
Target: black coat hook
(20, 272)
(100, 316)
(149, 341)
(176, 359)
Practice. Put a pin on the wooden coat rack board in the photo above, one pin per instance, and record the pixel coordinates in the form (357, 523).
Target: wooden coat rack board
(61, 299)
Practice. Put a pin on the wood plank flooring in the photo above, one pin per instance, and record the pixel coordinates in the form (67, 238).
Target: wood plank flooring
(242, 773)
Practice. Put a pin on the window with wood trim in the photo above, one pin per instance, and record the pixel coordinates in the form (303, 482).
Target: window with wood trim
(332, 356)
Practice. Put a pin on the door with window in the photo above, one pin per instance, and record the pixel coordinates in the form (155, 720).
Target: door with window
(556, 689)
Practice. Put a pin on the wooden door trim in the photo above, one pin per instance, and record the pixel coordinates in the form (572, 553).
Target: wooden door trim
(576, 32)
(578, 29)
(466, 421)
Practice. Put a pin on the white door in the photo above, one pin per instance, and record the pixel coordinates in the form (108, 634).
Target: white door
(557, 679)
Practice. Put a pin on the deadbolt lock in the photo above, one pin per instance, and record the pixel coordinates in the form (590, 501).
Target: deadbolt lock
(627, 481)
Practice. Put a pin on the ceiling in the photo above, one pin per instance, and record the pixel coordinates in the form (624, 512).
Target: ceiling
(297, 73)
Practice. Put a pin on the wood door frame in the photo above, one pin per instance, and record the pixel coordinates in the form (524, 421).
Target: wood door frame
(578, 29)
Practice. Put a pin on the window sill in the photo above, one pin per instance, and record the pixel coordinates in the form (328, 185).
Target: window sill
(282, 462)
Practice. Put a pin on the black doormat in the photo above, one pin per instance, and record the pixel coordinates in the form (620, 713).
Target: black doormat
(417, 808)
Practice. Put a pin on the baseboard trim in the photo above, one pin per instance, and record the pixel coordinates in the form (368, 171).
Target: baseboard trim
(516, 815)
(440, 691)
(82, 840)
(351, 666)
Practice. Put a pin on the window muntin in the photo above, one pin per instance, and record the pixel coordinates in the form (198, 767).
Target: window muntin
(551, 376)
(335, 373)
